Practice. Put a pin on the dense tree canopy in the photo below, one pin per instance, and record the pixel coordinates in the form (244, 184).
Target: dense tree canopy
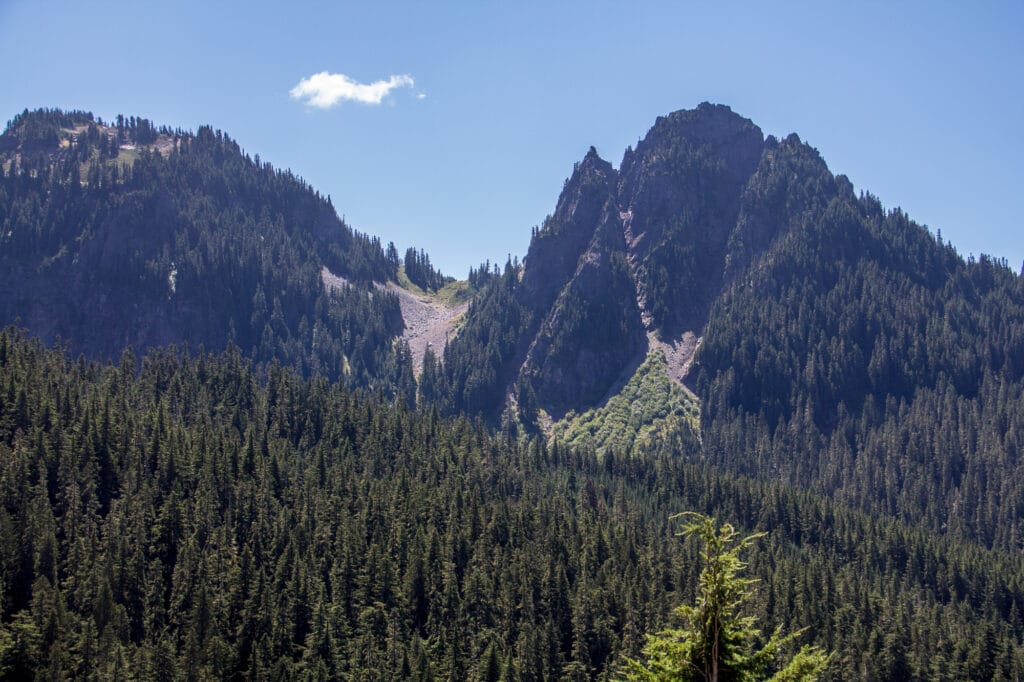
(178, 517)
(864, 359)
(280, 497)
(129, 235)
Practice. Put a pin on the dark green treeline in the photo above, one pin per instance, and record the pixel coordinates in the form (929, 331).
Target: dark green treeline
(185, 518)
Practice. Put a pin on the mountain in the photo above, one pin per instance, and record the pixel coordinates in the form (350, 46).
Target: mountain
(817, 335)
(828, 342)
(719, 324)
(630, 260)
(122, 234)
(635, 259)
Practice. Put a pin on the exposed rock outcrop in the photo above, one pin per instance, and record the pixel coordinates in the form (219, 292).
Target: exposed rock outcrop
(636, 258)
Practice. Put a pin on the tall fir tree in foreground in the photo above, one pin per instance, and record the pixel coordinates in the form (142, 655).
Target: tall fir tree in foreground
(717, 643)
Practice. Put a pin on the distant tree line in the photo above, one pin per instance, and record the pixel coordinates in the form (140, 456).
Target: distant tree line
(421, 272)
(179, 517)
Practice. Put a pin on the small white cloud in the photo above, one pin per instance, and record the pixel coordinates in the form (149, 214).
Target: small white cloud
(324, 90)
(421, 95)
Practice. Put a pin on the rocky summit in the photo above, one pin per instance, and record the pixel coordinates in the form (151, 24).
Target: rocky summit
(278, 487)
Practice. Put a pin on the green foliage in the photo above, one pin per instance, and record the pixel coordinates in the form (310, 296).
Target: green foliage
(479, 362)
(718, 642)
(20, 647)
(420, 271)
(650, 414)
(862, 359)
(180, 516)
(36, 132)
(455, 292)
(194, 242)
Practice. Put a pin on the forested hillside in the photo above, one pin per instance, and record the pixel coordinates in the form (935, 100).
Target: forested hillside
(843, 348)
(862, 358)
(125, 234)
(720, 324)
(178, 518)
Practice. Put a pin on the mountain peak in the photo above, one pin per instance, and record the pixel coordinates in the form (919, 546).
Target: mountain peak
(591, 164)
(708, 123)
(705, 111)
(558, 245)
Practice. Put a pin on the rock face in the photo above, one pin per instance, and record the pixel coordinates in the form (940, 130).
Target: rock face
(594, 328)
(680, 197)
(646, 256)
(555, 251)
(578, 279)
(637, 257)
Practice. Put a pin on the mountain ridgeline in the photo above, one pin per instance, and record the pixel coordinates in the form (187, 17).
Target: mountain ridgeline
(721, 324)
(124, 234)
(839, 347)
(632, 257)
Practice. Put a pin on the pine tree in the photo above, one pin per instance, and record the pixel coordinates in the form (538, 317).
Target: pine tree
(717, 642)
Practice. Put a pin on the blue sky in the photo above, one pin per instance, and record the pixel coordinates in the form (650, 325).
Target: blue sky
(920, 103)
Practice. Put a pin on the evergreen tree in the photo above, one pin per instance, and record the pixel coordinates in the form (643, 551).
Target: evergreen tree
(717, 642)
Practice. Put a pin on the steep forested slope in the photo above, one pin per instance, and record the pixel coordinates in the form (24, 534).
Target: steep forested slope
(862, 359)
(178, 518)
(123, 234)
(843, 347)
(860, 387)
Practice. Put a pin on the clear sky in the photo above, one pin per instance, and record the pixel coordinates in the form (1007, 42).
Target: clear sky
(484, 106)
